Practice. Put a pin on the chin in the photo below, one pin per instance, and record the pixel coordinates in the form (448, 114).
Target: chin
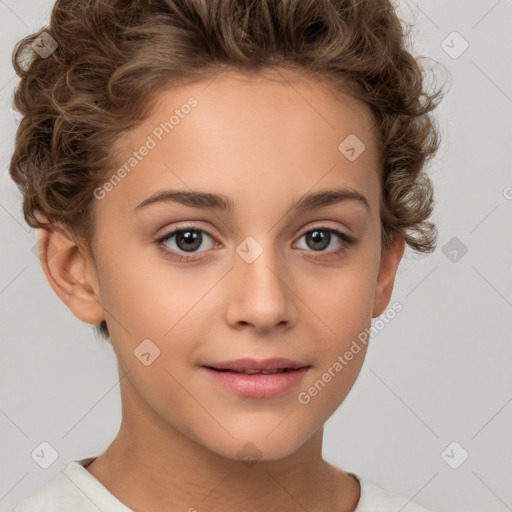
(251, 447)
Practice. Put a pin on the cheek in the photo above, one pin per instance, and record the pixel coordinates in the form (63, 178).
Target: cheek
(168, 309)
(327, 388)
(344, 309)
(143, 299)
(343, 301)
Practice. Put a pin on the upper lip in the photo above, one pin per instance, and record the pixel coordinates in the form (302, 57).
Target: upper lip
(240, 365)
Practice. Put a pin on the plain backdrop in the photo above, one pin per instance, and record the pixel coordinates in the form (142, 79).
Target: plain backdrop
(436, 386)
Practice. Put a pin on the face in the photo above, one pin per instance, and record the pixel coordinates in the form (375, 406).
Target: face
(257, 273)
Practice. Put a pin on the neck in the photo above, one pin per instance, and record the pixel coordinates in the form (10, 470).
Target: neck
(151, 466)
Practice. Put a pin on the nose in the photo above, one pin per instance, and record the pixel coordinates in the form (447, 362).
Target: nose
(260, 293)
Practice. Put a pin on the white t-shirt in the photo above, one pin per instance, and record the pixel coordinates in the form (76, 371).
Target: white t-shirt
(75, 489)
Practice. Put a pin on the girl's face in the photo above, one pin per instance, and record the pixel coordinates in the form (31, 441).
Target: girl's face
(257, 271)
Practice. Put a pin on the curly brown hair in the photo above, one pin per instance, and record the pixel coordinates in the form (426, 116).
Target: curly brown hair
(114, 56)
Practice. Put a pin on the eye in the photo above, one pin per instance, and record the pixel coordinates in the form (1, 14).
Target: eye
(320, 238)
(186, 239)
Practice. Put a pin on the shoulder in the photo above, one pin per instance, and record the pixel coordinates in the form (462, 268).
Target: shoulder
(74, 488)
(57, 495)
(375, 498)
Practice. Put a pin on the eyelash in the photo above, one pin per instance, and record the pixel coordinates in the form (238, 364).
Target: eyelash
(159, 242)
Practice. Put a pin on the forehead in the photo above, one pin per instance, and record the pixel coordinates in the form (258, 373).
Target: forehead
(249, 136)
(291, 103)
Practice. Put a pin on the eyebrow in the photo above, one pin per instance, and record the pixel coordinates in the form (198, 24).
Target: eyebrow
(197, 199)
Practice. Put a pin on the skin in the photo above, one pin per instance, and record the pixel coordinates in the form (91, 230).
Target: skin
(264, 143)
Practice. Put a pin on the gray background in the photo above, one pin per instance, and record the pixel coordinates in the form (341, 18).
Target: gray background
(438, 373)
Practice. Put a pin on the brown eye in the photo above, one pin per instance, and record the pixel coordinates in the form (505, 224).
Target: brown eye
(186, 240)
(319, 239)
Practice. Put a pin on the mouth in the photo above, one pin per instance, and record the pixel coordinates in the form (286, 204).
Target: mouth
(257, 379)
(252, 366)
(256, 372)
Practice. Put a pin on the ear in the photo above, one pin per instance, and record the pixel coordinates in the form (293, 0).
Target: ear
(70, 272)
(389, 262)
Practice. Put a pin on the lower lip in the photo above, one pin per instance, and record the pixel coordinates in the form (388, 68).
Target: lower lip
(257, 385)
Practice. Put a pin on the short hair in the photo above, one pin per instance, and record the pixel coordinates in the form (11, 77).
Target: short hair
(114, 56)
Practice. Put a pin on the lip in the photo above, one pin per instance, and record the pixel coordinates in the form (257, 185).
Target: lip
(257, 385)
(247, 363)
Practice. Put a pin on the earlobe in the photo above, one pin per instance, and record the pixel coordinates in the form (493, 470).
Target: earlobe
(387, 272)
(65, 266)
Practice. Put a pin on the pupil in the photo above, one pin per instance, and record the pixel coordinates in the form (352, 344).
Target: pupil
(192, 240)
(319, 238)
